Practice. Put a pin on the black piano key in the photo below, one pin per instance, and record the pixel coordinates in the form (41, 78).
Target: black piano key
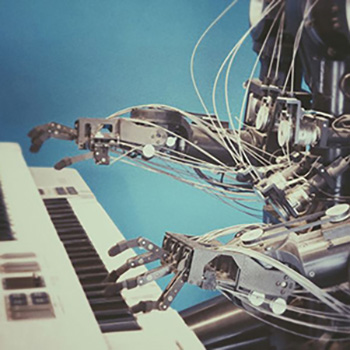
(61, 214)
(70, 237)
(93, 269)
(49, 201)
(77, 242)
(88, 278)
(95, 294)
(115, 326)
(67, 231)
(69, 222)
(95, 287)
(112, 313)
(62, 222)
(86, 261)
(107, 315)
(58, 208)
(84, 254)
(76, 249)
(62, 227)
(99, 295)
(114, 304)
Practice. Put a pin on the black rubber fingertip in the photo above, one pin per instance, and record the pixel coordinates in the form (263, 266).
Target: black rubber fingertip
(112, 277)
(112, 289)
(114, 250)
(138, 308)
(63, 163)
(60, 165)
(34, 148)
(34, 132)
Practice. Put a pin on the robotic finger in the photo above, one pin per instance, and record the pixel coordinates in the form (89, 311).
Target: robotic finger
(139, 242)
(134, 262)
(41, 133)
(140, 280)
(167, 296)
(72, 160)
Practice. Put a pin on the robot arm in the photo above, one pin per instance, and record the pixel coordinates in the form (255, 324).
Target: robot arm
(150, 130)
(265, 262)
(265, 269)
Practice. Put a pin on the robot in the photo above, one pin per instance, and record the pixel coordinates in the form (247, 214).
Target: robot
(284, 281)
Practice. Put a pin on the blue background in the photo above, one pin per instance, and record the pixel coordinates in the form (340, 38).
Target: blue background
(60, 60)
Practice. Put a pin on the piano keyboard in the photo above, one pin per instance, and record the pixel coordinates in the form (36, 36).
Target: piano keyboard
(54, 238)
(112, 314)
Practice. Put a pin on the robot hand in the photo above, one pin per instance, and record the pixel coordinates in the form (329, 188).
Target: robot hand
(209, 266)
(99, 136)
(177, 264)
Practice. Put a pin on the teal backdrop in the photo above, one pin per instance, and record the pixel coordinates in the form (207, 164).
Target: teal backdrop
(60, 60)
